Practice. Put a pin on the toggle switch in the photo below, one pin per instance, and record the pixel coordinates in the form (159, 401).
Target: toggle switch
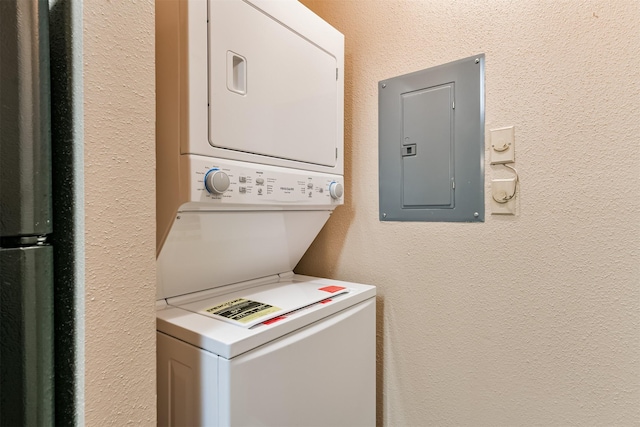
(503, 145)
(503, 196)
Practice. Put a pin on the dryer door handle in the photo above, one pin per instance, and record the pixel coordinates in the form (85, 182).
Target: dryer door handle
(236, 73)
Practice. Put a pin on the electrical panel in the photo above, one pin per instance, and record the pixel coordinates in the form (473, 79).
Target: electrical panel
(431, 144)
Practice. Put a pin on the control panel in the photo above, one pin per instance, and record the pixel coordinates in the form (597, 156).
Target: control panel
(228, 182)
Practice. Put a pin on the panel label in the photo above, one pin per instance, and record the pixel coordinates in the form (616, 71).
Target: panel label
(243, 310)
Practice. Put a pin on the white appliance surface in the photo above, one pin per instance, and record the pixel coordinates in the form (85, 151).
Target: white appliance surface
(281, 82)
(221, 63)
(260, 226)
(206, 250)
(300, 299)
(309, 373)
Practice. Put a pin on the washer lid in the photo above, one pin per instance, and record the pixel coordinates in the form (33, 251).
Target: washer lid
(206, 250)
(216, 334)
(250, 307)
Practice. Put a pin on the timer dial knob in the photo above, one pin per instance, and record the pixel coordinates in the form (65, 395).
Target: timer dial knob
(335, 190)
(216, 181)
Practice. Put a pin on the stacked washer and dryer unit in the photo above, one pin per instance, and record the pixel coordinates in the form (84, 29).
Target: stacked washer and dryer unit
(249, 169)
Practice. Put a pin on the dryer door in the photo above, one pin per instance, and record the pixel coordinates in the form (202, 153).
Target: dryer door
(272, 91)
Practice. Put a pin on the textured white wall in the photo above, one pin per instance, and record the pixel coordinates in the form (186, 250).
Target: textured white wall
(119, 105)
(533, 319)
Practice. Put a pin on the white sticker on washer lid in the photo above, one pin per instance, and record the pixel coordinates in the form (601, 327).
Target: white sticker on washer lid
(242, 311)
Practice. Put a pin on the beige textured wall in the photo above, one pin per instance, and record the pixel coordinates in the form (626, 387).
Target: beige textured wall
(533, 319)
(119, 114)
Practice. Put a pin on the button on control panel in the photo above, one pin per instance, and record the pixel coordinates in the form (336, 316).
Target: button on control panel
(237, 183)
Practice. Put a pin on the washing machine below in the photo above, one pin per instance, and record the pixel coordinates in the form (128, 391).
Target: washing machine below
(296, 352)
(249, 159)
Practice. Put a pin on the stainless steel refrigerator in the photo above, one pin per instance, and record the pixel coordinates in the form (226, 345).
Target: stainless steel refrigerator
(26, 256)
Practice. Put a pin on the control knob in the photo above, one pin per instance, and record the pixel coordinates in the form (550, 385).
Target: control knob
(335, 190)
(216, 181)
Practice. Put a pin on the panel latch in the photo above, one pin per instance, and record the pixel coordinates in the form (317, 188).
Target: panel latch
(408, 150)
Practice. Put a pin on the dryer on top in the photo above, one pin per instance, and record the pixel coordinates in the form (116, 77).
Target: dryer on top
(249, 138)
(252, 80)
(257, 82)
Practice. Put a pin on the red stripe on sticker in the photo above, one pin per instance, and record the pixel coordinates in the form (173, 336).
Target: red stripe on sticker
(332, 289)
(325, 301)
(274, 320)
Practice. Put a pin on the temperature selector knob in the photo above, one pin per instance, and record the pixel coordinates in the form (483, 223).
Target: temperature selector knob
(335, 190)
(216, 181)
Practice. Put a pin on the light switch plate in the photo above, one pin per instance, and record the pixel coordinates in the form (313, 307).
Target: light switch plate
(500, 189)
(503, 145)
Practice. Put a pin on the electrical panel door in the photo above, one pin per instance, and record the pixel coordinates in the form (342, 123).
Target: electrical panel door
(431, 144)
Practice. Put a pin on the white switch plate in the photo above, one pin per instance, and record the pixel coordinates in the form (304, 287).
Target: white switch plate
(503, 145)
(501, 188)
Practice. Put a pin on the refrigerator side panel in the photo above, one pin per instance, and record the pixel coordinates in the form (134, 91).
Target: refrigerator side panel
(26, 336)
(65, 38)
(25, 152)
